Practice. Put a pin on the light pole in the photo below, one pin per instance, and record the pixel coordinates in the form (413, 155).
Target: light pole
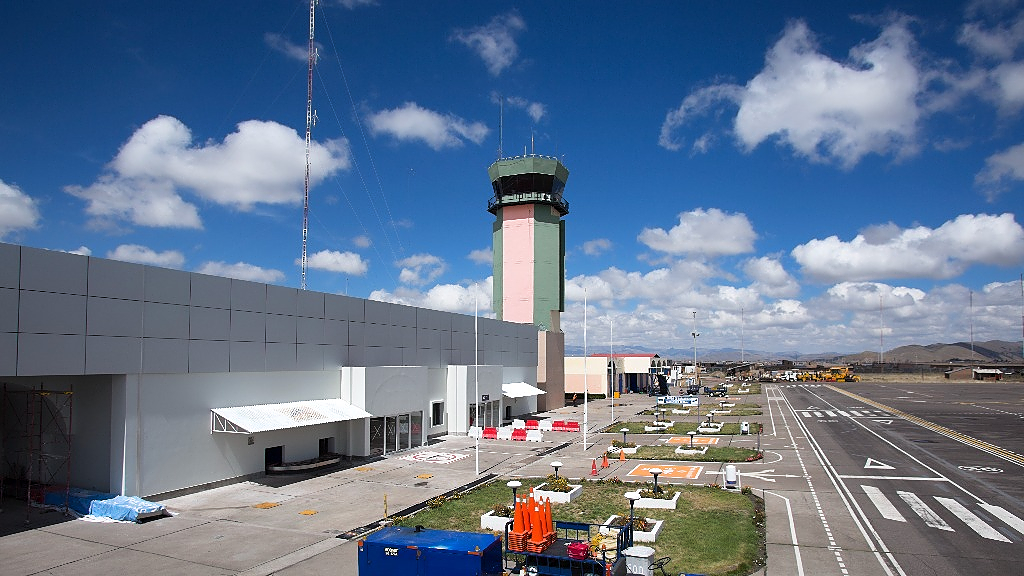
(655, 472)
(632, 497)
(696, 372)
(624, 430)
(692, 433)
(556, 465)
(514, 485)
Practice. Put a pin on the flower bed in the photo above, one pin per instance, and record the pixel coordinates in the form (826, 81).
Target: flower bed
(663, 503)
(691, 451)
(649, 535)
(616, 449)
(558, 497)
(493, 523)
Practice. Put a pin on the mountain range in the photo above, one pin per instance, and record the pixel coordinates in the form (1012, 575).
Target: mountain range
(993, 351)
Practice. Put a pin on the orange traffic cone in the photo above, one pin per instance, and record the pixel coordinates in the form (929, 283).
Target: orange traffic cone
(537, 528)
(604, 461)
(519, 519)
(622, 455)
(549, 527)
(593, 467)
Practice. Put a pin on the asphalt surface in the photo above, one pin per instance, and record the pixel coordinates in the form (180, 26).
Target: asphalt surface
(822, 478)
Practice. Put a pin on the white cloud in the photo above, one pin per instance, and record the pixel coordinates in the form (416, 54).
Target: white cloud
(494, 42)
(411, 122)
(699, 103)
(872, 296)
(353, 4)
(293, 51)
(332, 261)
(421, 269)
(597, 246)
(144, 255)
(918, 252)
(260, 163)
(18, 211)
(770, 278)
(241, 271)
(1001, 170)
(482, 256)
(705, 232)
(81, 251)
(362, 241)
(444, 297)
(535, 110)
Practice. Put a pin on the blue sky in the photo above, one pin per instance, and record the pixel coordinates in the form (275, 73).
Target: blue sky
(800, 176)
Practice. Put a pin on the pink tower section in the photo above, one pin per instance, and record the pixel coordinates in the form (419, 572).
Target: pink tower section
(518, 263)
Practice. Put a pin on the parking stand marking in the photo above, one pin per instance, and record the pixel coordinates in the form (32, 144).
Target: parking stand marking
(697, 440)
(668, 471)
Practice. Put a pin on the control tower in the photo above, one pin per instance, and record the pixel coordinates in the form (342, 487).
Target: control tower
(529, 258)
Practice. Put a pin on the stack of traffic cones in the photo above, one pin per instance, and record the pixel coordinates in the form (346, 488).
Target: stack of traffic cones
(541, 532)
(520, 531)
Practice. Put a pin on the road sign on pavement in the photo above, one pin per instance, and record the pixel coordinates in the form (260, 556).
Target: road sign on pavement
(668, 471)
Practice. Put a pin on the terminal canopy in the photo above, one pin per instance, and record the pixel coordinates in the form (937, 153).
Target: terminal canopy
(520, 389)
(267, 417)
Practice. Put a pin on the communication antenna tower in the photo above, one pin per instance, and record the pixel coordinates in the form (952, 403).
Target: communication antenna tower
(310, 122)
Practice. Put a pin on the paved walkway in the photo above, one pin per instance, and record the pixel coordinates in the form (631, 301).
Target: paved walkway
(308, 524)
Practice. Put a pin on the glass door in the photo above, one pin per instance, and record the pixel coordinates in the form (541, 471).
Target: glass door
(403, 432)
(391, 433)
(416, 432)
(376, 436)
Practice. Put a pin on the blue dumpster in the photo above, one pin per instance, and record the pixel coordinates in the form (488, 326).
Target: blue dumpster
(424, 552)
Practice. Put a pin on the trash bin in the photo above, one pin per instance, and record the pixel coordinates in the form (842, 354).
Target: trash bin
(638, 560)
(732, 478)
(744, 428)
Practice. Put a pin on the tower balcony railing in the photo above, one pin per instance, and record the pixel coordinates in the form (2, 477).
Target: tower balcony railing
(555, 200)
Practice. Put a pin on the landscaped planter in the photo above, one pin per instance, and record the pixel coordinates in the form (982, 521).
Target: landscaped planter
(558, 497)
(662, 503)
(493, 523)
(684, 412)
(708, 430)
(638, 536)
(616, 449)
(692, 451)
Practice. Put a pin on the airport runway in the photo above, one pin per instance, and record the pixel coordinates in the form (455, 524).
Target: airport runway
(894, 478)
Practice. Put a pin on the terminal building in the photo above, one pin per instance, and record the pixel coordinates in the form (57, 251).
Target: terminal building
(146, 381)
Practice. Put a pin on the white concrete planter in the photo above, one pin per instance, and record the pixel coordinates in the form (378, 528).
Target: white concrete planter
(728, 405)
(661, 503)
(708, 430)
(558, 497)
(722, 411)
(692, 451)
(683, 412)
(616, 449)
(638, 536)
(493, 523)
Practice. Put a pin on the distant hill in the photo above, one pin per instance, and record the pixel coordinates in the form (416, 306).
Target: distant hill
(988, 352)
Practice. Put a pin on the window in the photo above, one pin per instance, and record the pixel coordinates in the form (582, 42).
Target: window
(437, 413)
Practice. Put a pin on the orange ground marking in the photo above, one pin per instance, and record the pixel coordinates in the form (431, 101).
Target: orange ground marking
(697, 440)
(668, 471)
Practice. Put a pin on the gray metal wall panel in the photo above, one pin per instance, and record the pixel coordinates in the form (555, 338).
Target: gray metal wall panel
(309, 357)
(462, 323)
(10, 265)
(377, 334)
(309, 330)
(377, 312)
(428, 339)
(51, 313)
(8, 309)
(335, 356)
(114, 279)
(165, 355)
(281, 300)
(248, 326)
(430, 357)
(209, 324)
(336, 332)
(167, 286)
(165, 321)
(281, 357)
(248, 356)
(56, 354)
(210, 291)
(281, 329)
(356, 309)
(112, 355)
(51, 271)
(403, 315)
(248, 296)
(208, 356)
(310, 304)
(8, 354)
(336, 307)
(402, 336)
(113, 317)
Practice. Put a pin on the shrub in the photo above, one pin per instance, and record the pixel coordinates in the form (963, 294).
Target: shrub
(503, 510)
(557, 484)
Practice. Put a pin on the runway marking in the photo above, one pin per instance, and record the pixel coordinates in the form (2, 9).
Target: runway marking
(921, 509)
(972, 521)
(885, 508)
(434, 457)
(853, 477)
(1010, 520)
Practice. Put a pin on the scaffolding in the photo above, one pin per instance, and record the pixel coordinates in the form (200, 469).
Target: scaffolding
(35, 440)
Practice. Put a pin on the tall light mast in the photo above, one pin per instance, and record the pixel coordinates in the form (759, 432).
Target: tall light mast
(310, 121)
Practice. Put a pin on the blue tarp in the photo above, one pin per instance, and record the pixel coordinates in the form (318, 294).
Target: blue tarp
(123, 508)
(85, 502)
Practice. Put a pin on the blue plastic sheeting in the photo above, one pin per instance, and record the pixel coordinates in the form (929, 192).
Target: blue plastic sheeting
(124, 508)
(78, 500)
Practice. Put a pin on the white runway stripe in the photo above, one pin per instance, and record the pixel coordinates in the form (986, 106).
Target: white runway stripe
(921, 509)
(885, 508)
(972, 521)
(1010, 520)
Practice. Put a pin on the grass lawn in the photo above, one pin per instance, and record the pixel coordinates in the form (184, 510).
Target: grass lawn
(711, 531)
(679, 428)
(714, 454)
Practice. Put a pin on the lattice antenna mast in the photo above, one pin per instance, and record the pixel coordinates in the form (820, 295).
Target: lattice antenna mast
(310, 122)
